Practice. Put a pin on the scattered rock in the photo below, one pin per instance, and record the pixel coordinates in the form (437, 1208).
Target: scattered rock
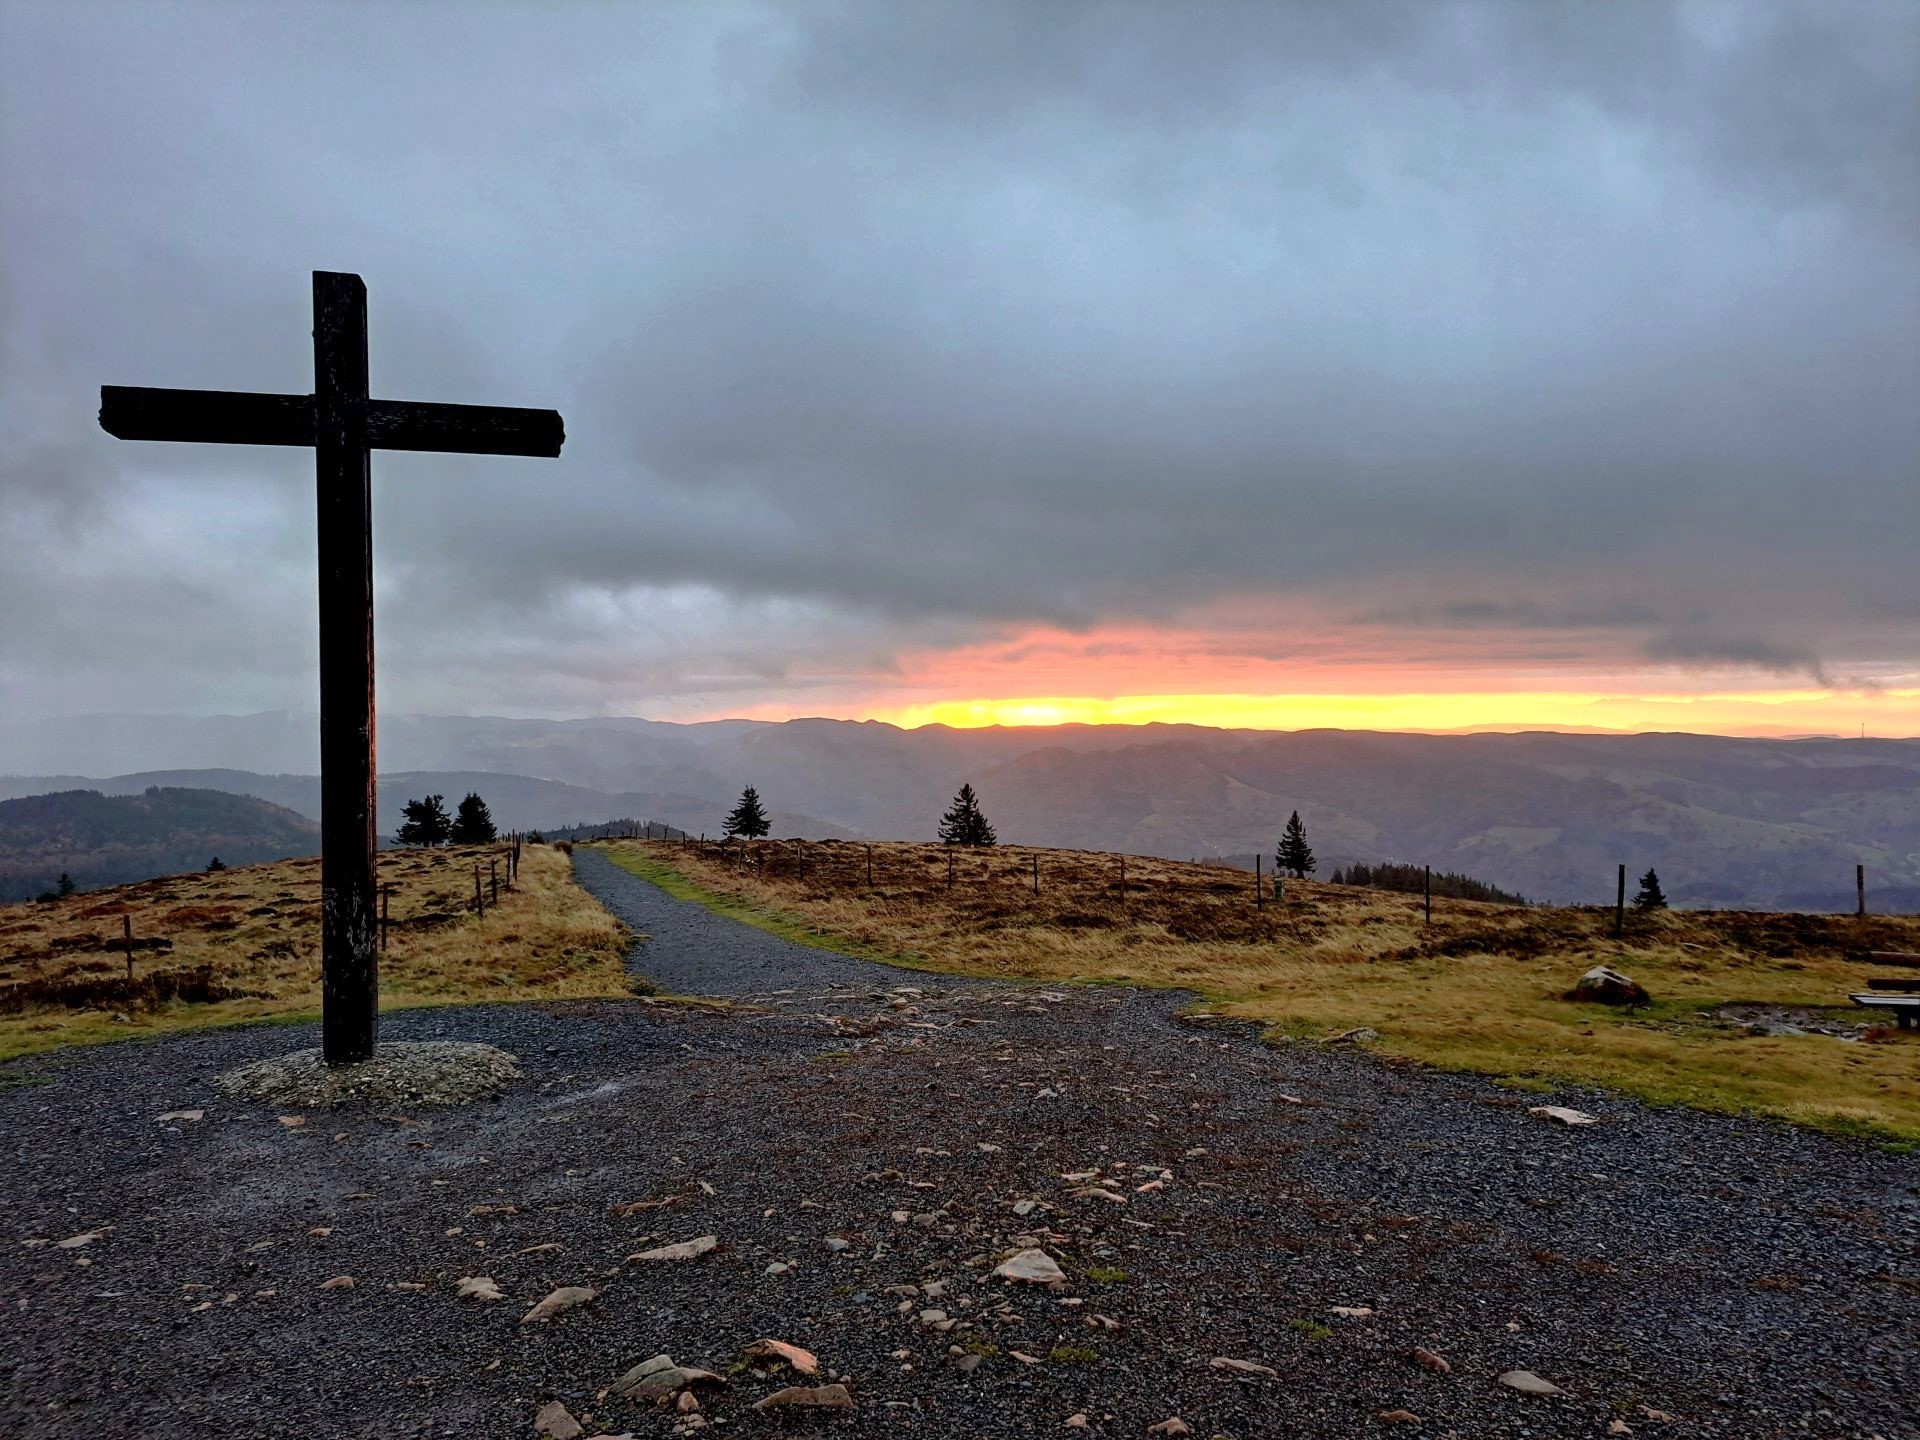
(1079, 1421)
(1172, 1425)
(1429, 1361)
(559, 1302)
(173, 1115)
(836, 1244)
(685, 1250)
(659, 1377)
(1399, 1417)
(338, 1282)
(1528, 1383)
(1359, 1035)
(1562, 1115)
(1604, 985)
(478, 1287)
(809, 1397)
(555, 1422)
(1036, 1267)
(801, 1360)
(1354, 1312)
(1243, 1367)
(84, 1238)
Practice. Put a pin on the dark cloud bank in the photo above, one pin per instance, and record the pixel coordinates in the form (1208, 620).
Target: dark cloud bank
(883, 327)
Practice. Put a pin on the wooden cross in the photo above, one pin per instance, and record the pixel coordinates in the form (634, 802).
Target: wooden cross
(343, 425)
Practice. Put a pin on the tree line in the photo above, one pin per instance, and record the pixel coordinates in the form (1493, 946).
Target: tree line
(965, 823)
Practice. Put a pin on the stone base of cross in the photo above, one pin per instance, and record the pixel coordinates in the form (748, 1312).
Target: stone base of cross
(344, 425)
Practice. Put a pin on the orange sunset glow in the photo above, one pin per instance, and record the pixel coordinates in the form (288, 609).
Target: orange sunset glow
(1359, 678)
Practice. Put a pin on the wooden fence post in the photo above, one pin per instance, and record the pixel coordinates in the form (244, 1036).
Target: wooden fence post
(1036, 872)
(1860, 889)
(1620, 905)
(1259, 889)
(493, 880)
(1429, 895)
(479, 900)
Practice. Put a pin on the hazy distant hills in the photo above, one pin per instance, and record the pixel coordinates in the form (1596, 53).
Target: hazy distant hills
(111, 839)
(1726, 822)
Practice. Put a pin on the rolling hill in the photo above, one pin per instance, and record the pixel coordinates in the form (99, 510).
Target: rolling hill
(1727, 822)
(102, 839)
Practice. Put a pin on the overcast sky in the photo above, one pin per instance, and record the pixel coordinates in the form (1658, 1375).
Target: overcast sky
(931, 352)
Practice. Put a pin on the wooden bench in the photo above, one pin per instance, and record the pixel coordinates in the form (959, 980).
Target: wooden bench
(1899, 995)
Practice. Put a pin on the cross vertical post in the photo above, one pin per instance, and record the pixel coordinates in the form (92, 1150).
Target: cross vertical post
(343, 424)
(350, 966)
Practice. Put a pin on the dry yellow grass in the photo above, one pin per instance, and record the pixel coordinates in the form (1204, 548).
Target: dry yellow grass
(1480, 990)
(244, 944)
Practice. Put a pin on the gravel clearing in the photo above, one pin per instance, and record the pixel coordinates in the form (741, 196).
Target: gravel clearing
(401, 1075)
(1257, 1242)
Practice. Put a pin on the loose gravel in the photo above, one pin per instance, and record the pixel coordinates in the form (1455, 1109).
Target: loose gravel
(401, 1074)
(864, 1164)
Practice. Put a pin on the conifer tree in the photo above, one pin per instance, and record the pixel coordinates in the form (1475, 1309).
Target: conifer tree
(65, 887)
(1293, 855)
(749, 819)
(216, 864)
(473, 824)
(965, 823)
(426, 823)
(1650, 896)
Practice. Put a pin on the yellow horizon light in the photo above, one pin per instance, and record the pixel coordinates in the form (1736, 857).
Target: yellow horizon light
(1733, 712)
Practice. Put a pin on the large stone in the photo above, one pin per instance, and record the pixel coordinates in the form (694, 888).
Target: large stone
(658, 1378)
(1603, 985)
(559, 1302)
(807, 1397)
(1036, 1267)
(1528, 1383)
(685, 1250)
(1562, 1115)
(554, 1422)
(801, 1360)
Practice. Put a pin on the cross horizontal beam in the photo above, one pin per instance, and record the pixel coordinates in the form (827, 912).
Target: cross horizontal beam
(241, 417)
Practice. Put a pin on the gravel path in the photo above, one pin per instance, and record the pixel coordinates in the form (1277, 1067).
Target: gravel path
(687, 950)
(1741, 1278)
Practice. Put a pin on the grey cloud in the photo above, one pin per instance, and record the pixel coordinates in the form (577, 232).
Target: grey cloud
(881, 328)
(1750, 652)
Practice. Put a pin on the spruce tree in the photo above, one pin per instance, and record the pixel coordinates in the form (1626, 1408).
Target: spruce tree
(1650, 895)
(216, 864)
(1293, 855)
(426, 823)
(749, 819)
(473, 824)
(65, 887)
(965, 823)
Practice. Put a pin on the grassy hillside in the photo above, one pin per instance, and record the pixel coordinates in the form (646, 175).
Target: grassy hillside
(244, 944)
(1481, 989)
(109, 839)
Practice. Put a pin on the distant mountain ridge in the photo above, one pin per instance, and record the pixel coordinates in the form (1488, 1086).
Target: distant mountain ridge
(102, 839)
(1730, 822)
